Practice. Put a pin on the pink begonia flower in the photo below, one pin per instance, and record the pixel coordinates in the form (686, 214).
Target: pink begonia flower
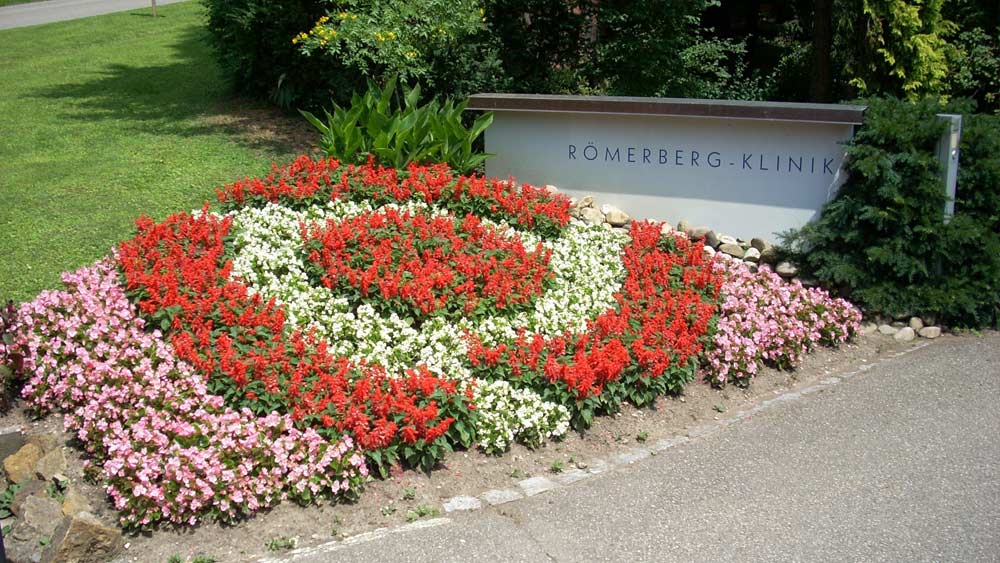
(163, 444)
(764, 319)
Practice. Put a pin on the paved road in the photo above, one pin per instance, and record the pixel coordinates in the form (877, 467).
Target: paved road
(35, 13)
(898, 463)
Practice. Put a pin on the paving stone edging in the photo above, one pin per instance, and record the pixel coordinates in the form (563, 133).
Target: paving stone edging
(533, 486)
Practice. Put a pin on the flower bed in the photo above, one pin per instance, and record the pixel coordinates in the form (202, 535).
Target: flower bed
(768, 320)
(333, 315)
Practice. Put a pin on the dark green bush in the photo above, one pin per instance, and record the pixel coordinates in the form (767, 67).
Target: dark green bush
(253, 43)
(883, 240)
(301, 53)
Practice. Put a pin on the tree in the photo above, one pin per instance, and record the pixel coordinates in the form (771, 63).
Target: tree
(821, 85)
(897, 47)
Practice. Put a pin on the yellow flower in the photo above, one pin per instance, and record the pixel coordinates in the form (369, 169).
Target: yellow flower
(323, 20)
(391, 35)
(342, 15)
(411, 54)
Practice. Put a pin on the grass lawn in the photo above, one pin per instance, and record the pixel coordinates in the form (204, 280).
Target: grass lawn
(12, 2)
(105, 118)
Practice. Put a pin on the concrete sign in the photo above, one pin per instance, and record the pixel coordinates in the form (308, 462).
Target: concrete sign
(746, 169)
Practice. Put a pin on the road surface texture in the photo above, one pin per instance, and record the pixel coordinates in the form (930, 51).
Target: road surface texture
(898, 463)
(36, 13)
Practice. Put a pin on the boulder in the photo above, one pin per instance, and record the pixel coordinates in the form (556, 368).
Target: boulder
(786, 270)
(726, 239)
(21, 545)
(585, 202)
(887, 329)
(752, 255)
(734, 250)
(11, 440)
(46, 442)
(869, 328)
(51, 464)
(684, 227)
(551, 189)
(916, 323)
(74, 502)
(905, 334)
(83, 539)
(709, 251)
(616, 217)
(698, 233)
(28, 489)
(930, 332)
(21, 465)
(712, 239)
(592, 216)
(759, 243)
(42, 514)
(769, 255)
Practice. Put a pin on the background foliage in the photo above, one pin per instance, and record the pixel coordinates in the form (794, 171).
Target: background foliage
(300, 53)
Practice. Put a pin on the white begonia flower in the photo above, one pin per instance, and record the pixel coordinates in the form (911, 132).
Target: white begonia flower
(587, 273)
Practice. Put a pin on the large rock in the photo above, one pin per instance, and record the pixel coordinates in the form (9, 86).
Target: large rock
(726, 239)
(83, 539)
(712, 239)
(616, 217)
(684, 226)
(47, 442)
(786, 270)
(585, 202)
(21, 545)
(21, 465)
(916, 323)
(769, 255)
(887, 329)
(930, 332)
(752, 255)
(759, 243)
(28, 489)
(51, 464)
(592, 216)
(11, 440)
(42, 514)
(734, 250)
(698, 233)
(709, 251)
(869, 328)
(905, 334)
(74, 502)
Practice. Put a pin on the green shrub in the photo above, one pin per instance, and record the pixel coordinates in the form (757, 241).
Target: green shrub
(395, 134)
(883, 240)
(253, 42)
(300, 53)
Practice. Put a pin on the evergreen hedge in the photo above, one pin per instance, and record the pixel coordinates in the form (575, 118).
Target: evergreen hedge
(883, 241)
